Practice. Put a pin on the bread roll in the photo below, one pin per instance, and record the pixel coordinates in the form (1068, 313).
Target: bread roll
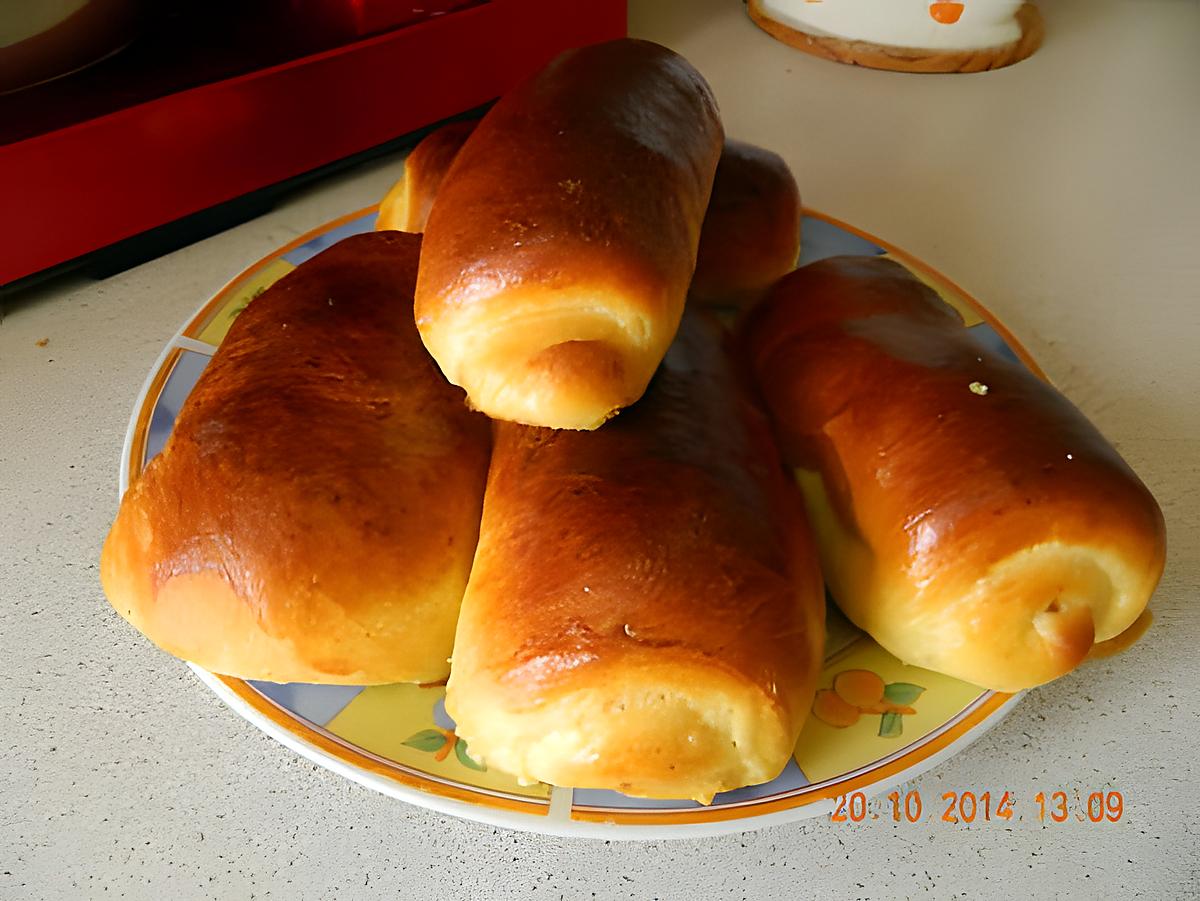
(645, 612)
(313, 515)
(751, 233)
(969, 517)
(557, 257)
(406, 206)
(749, 239)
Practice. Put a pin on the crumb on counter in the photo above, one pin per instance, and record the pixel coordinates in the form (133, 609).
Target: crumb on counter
(42, 342)
(978, 388)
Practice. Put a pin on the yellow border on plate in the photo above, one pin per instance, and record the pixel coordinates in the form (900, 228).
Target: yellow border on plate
(643, 817)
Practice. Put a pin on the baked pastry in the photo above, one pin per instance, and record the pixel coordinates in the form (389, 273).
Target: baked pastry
(557, 258)
(969, 517)
(314, 513)
(406, 206)
(750, 236)
(751, 232)
(906, 35)
(645, 612)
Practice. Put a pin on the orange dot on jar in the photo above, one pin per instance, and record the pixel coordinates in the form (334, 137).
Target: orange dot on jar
(859, 687)
(833, 711)
(946, 13)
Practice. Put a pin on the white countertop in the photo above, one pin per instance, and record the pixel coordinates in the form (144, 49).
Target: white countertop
(1062, 192)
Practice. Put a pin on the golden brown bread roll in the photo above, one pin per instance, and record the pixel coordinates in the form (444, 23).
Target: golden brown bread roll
(749, 239)
(969, 517)
(557, 257)
(751, 233)
(406, 206)
(645, 612)
(314, 513)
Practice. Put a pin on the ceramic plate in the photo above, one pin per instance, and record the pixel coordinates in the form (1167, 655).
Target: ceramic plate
(398, 739)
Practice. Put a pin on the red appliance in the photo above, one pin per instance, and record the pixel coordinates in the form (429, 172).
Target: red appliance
(212, 111)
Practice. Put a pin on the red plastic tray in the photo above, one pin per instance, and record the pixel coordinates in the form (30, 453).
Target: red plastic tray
(87, 185)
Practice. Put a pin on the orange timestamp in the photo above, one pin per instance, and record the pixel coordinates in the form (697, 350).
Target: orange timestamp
(989, 806)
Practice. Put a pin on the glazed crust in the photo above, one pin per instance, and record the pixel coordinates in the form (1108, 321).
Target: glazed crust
(907, 59)
(750, 236)
(406, 206)
(314, 513)
(751, 232)
(557, 257)
(645, 612)
(970, 518)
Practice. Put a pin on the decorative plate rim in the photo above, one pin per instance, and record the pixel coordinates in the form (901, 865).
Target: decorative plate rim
(557, 818)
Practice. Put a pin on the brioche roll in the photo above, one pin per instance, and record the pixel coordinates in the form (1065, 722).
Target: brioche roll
(406, 206)
(751, 233)
(749, 239)
(969, 517)
(314, 513)
(645, 612)
(557, 257)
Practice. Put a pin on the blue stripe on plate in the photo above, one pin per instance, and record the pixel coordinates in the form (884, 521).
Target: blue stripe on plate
(179, 385)
(987, 336)
(441, 717)
(820, 239)
(316, 703)
(329, 238)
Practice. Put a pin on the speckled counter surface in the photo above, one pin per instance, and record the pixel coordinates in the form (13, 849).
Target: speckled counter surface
(1061, 192)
